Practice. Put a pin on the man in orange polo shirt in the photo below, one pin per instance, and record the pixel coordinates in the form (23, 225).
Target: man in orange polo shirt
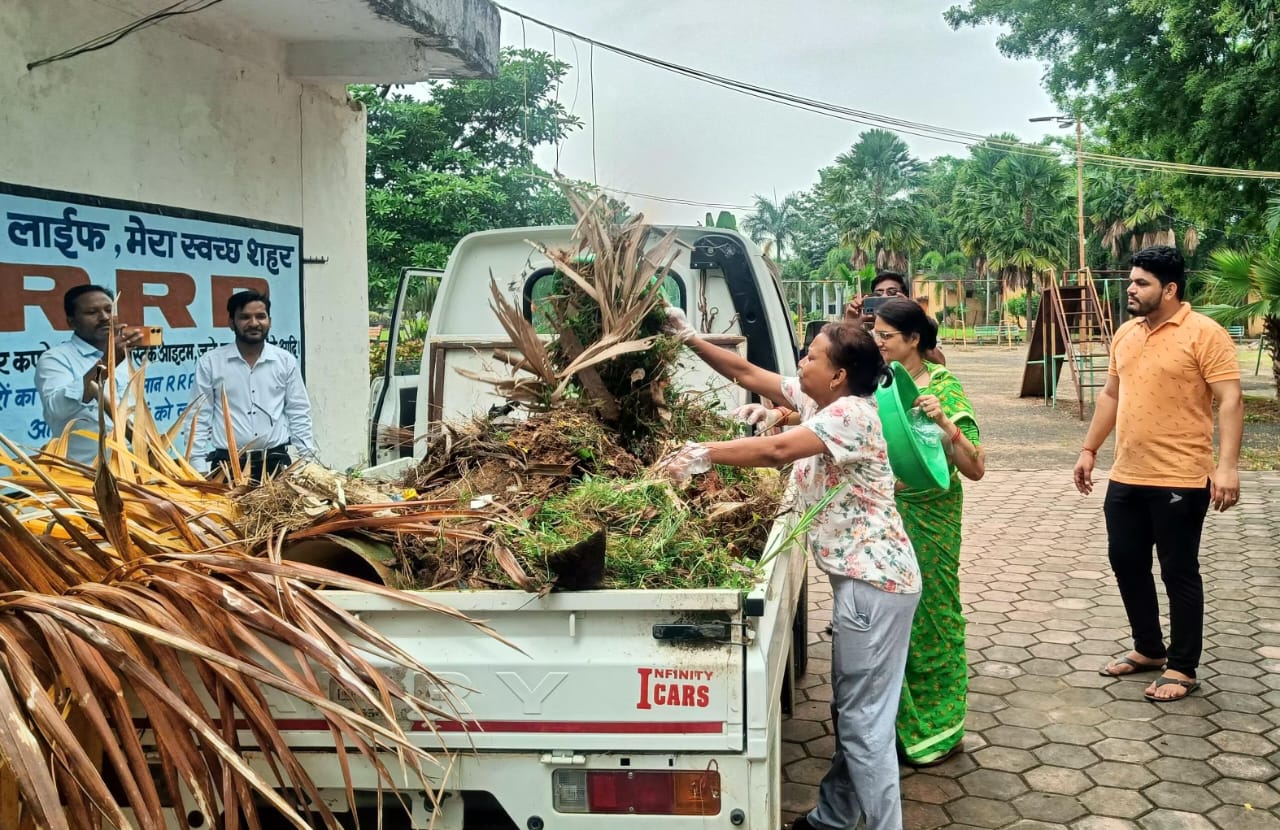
(1167, 367)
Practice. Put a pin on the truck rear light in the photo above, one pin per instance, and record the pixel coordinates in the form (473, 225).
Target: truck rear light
(658, 793)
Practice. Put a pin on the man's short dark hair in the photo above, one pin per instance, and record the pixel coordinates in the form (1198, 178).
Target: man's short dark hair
(1166, 263)
(881, 276)
(240, 299)
(73, 296)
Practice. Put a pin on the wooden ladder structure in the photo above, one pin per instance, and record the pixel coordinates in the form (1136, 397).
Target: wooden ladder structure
(1071, 326)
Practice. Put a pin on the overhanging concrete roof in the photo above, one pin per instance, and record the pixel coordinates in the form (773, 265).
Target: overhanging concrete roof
(378, 41)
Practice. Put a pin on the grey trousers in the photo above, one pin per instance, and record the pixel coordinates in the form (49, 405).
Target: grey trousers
(871, 632)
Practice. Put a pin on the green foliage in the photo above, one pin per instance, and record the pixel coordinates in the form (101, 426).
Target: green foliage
(1013, 211)
(1176, 80)
(1242, 285)
(460, 161)
(1016, 306)
(772, 221)
(873, 195)
(654, 540)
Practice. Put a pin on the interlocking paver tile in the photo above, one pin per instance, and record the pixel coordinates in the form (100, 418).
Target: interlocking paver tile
(982, 812)
(1060, 780)
(1174, 820)
(1175, 796)
(1066, 755)
(1183, 770)
(1240, 818)
(1120, 749)
(1184, 725)
(1244, 743)
(1257, 795)
(1049, 807)
(1103, 823)
(992, 783)
(924, 816)
(930, 789)
(1244, 766)
(1118, 774)
(1115, 802)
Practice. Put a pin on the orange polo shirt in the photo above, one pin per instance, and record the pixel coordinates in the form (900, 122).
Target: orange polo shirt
(1164, 426)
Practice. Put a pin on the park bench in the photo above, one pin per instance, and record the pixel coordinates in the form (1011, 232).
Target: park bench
(1236, 332)
(1003, 332)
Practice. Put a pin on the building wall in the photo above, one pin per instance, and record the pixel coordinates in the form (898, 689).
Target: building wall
(194, 116)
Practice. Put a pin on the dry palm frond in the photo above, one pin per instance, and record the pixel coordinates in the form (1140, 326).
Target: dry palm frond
(614, 278)
(1190, 240)
(129, 590)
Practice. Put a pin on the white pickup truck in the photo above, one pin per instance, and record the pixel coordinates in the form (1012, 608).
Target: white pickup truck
(627, 708)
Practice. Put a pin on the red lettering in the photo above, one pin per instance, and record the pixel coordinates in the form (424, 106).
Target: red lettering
(704, 697)
(174, 303)
(13, 311)
(221, 289)
(687, 697)
(644, 689)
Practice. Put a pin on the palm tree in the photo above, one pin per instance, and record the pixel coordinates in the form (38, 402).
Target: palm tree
(773, 221)
(1013, 213)
(874, 189)
(1129, 212)
(1243, 285)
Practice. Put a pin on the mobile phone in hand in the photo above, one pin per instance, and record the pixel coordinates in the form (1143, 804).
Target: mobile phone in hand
(872, 303)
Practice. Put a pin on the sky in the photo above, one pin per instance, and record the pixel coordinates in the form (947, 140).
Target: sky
(660, 133)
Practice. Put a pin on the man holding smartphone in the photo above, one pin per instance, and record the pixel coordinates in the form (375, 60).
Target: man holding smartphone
(887, 285)
(70, 375)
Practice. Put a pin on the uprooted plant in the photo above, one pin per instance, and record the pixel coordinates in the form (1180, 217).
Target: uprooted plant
(601, 408)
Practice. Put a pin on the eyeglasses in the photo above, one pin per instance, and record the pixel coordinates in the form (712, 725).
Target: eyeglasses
(882, 336)
(892, 291)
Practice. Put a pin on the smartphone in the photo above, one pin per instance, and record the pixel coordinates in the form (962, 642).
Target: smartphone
(872, 303)
(150, 335)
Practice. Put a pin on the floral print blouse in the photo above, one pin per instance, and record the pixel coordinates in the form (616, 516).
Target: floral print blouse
(859, 534)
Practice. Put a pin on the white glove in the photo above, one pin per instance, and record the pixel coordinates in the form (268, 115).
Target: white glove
(677, 325)
(685, 463)
(758, 415)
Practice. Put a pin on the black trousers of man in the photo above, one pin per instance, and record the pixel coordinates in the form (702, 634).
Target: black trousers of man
(254, 462)
(1170, 520)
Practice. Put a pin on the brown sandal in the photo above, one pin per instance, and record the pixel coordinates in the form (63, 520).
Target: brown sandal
(1189, 685)
(1136, 667)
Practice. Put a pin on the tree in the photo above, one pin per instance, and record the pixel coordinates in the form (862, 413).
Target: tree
(773, 221)
(1242, 285)
(458, 162)
(873, 192)
(1177, 80)
(1012, 212)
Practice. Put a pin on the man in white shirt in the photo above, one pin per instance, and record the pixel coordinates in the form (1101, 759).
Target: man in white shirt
(70, 374)
(268, 404)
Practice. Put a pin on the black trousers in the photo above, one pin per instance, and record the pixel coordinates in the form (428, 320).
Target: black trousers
(1139, 518)
(254, 462)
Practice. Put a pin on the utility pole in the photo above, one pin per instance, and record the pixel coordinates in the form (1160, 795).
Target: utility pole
(1080, 189)
(1066, 121)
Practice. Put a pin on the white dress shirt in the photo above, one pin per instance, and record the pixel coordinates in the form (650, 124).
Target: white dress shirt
(269, 404)
(59, 380)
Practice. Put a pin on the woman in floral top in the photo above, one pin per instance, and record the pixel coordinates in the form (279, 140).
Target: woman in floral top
(857, 539)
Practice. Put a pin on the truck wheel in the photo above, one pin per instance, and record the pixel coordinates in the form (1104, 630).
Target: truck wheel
(800, 633)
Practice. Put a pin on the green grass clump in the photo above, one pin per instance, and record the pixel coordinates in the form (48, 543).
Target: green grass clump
(652, 539)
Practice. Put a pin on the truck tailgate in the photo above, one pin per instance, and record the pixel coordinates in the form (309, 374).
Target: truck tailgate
(592, 675)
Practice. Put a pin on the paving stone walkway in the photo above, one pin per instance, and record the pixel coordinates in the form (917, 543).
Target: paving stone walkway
(1050, 743)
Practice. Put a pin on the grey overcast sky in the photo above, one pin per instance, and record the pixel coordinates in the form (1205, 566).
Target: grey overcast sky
(661, 133)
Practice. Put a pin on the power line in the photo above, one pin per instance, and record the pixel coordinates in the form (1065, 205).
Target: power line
(115, 36)
(916, 128)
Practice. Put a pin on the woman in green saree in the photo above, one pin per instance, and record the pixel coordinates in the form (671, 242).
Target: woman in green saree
(932, 709)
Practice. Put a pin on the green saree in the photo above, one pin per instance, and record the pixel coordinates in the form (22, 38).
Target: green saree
(932, 710)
